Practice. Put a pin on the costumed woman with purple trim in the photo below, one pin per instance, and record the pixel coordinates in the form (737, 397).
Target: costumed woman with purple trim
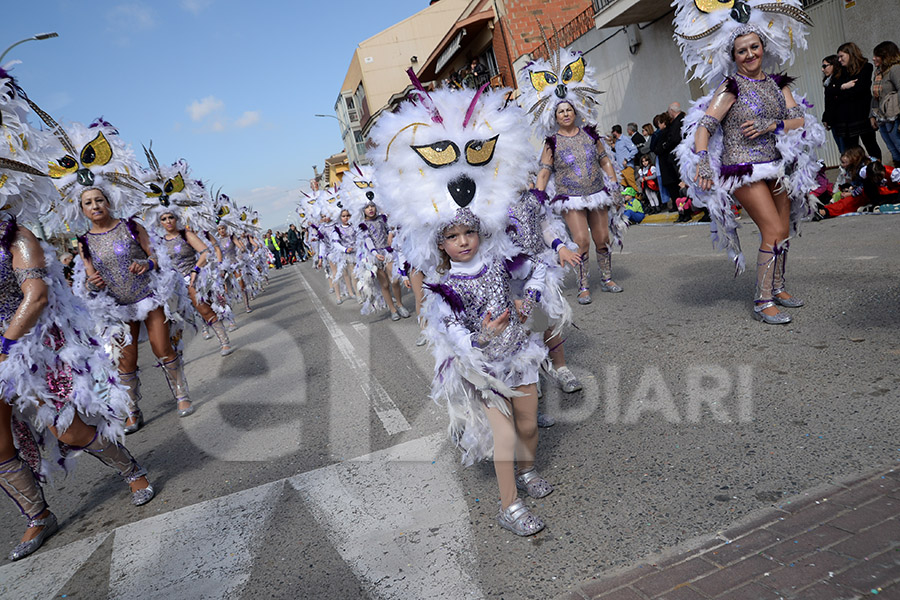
(560, 96)
(53, 375)
(119, 273)
(752, 138)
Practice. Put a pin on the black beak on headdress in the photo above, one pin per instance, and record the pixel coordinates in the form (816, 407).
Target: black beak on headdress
(462, 190)
(561, 91)
(164, 200)
(370, 195)
(85, 177)
(740, 12)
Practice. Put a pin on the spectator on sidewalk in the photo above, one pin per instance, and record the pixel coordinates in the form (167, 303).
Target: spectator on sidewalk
(886, 96)
(660, 121)
(634, 212)
(854, 101)
(639, 141)
(273, 247)
(625, 152)
(665, 150)
(831, 73)
(649, 185)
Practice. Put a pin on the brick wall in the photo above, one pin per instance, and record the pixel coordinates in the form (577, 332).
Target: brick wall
(522, 18)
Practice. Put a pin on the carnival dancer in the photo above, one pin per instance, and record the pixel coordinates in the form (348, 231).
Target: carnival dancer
(560, 94)
(230, 267)
(375, 255)
(449, 167)
(53, 375)
(173, 199)
(752, 138)
(119, 273)
(343, 254)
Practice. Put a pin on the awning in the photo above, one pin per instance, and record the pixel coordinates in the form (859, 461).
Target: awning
(453, 42)
(616, 13)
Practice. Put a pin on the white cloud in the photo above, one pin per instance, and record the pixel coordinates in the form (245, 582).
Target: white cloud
(130, 15)
(218, 126)
(200, 109)
(247, 119)
(196, 6)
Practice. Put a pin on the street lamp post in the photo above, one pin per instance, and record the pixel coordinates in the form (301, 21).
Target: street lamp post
(40, 36)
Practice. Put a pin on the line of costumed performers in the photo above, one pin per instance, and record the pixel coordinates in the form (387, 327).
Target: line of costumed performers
(150, 258)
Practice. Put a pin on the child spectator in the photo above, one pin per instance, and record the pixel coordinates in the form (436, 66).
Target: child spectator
(649, 184)
(634, 212)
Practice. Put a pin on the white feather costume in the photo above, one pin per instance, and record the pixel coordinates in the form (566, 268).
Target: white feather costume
(56, 369)
(705, 31)
(451, 159)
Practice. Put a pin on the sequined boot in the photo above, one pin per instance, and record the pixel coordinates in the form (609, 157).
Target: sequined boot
(778, 280)
(765, 274)
(584, 285)
(120, 459)
(174, 370)
(132, 384)
(247, 302)
(604, 260)
(206, 334)
(19, 483)
(219, 329)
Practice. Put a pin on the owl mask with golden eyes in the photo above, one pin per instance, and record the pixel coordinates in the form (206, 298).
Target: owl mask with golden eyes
(171, 189)
(358, 189)
(565, 77)
(92, 156)
(705, 31)
(446, 151)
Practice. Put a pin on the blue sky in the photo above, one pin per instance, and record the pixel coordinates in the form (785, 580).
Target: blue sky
(230, 86)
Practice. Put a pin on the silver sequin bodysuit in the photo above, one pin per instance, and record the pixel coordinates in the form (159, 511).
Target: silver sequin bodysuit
(229, 249)
(488, 290)
(183, 254)
(578, 171)
(756, 99)
(112, 254)
(377, 230)
(525, 231)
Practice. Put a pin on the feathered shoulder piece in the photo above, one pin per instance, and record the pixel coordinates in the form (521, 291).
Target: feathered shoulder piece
(566, 77)
(449, 153)
(705, 31)
(92, 156)
(170, 189)
(25, 189)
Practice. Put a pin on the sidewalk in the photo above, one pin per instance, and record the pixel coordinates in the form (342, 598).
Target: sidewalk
(832, 542)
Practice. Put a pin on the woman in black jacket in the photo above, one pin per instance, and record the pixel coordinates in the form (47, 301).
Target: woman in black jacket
(854, 101)
(831, 73)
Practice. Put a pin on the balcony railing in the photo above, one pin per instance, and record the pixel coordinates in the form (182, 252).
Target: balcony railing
(601, 4)
(570, 32)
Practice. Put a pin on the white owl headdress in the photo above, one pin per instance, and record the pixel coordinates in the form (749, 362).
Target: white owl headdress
(566, 77)
(170, 189)
(308, 208)
(450, 153)
(705, 31)
(25, 188)
(91, 157)
(358, 190)
(225, 212)
(247, 220)
(329, 202)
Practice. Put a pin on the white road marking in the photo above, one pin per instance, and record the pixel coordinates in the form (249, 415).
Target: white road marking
(393, 420)
(361, 328)
(204, 551)
(43, 576)
(398, 519)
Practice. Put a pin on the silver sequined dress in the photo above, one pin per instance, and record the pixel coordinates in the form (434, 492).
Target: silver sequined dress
(579, 179)
(756, 99)
(183, 255)
(112, 253)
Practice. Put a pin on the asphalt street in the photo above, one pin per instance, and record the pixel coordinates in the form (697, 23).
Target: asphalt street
(317, 467)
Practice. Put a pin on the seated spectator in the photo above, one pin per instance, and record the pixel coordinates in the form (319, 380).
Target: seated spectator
(649, 185)
(634, 212)
(850, 184)
(683, 204)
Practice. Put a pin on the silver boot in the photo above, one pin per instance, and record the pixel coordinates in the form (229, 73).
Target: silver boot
(604, 261)
(518, 519)
(120, 459)
(584, 284)
(19, 483)
(132, 384)
(778, 279)
(219, 329)
(174, 370)
(765, 274)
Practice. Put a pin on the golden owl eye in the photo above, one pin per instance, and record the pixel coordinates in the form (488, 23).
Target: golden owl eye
(98, 152)
(243, 216)
(708, 6)
(363, 184)
(480, 152)
(64, 166)
(175, 185)
(574, 71)
(223, 211)
(542, 79)
(155, 191)
(438, 154)
(254, 220)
